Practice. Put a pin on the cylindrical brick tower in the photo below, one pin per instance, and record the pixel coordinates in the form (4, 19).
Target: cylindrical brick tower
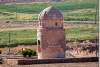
(50, 34)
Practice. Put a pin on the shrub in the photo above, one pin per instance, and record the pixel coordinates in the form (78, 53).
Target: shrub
(28, 52)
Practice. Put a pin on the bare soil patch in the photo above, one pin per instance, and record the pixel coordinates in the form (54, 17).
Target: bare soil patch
(87, 64)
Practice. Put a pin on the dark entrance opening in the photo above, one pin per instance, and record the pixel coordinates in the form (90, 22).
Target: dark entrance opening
(38, 42)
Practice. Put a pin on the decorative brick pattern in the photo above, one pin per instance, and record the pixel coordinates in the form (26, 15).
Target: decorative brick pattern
(50, 34)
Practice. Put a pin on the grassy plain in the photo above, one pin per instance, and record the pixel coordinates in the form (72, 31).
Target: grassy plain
(75, 10)
(75, 32)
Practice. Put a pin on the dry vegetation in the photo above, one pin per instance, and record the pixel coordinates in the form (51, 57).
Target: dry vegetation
(76, 49)
(84, 49)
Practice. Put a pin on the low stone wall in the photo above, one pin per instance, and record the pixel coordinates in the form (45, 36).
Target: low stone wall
(48, 61)
(11, 62)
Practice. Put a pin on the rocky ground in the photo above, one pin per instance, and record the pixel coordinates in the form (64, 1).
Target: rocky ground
(73, 49)
(83, 49)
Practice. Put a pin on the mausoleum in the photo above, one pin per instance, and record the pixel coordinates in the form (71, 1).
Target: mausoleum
(50, 34)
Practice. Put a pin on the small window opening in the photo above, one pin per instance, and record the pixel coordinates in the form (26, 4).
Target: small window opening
(55, 24)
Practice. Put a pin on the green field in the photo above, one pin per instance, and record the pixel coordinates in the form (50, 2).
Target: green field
(22, 36)
(29, 36)
(71, 9)
(74, 10)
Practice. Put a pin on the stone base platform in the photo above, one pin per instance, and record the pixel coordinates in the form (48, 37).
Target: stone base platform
(28, 61)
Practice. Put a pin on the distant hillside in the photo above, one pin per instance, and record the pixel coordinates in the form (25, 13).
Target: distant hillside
(76, 10)
(22, 1)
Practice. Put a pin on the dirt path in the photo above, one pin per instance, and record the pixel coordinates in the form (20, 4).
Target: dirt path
(15, 29)
(86, 64)
(16, 26)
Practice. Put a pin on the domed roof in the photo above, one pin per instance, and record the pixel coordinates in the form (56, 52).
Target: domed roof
(50, 12)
